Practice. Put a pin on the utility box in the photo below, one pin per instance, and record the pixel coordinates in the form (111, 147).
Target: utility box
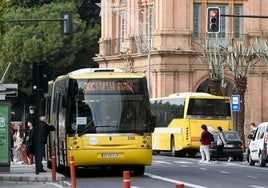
(5, 138)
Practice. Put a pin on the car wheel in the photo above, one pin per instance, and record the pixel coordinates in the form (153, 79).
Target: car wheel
(262, 161)
(250, 161)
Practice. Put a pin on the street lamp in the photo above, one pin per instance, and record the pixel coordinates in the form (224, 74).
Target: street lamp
(149, 48)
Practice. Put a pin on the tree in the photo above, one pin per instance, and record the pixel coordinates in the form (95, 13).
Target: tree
(215, 60)
(239, 59)
(25, 42)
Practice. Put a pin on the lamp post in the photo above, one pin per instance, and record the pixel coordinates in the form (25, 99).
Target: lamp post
(149, 48)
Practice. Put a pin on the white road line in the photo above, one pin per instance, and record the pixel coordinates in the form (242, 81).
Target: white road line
(173, 181)
(255, 186)
(161, 162)
(253, 177)
(224, 172)
(183, 162)
(203, 168)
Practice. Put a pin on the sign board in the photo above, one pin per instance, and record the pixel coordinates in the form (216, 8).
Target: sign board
(235, 102)
(8, 90)
(4, 136)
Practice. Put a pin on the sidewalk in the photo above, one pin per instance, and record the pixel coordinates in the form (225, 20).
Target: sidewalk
(26, 173)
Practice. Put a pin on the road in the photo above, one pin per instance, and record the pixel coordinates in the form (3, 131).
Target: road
(167, 172)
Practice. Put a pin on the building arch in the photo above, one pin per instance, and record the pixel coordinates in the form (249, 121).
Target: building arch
(227, 88)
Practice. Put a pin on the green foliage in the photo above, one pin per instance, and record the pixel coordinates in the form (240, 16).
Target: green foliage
(25, 42)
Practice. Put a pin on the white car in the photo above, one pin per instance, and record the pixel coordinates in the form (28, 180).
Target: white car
(258, 145)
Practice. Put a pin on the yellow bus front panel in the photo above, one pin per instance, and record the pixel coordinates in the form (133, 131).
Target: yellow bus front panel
(101, 150)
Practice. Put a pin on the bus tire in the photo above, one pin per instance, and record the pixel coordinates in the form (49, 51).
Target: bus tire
(174, 153)
(192, 153)
(138, 170)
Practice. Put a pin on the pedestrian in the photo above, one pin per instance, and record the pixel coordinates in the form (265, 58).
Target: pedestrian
(221, 142)
(252, 131)
(29, 141)
(12, 132)
(40, 142)
(205, 144)
(18, 137)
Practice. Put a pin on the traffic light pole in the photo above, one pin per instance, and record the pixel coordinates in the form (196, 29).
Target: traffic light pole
(243, 16)
(66, 22)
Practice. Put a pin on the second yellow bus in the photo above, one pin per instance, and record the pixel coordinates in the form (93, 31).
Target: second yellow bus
(179, 118)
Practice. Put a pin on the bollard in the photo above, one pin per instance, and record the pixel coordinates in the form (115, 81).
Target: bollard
(53, 161)
(72, 172)
(126, 176)
(180, 186)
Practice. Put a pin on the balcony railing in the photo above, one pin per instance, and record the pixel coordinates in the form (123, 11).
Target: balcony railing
(138, 45)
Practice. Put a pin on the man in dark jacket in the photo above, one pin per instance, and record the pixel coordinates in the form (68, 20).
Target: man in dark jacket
(41, 140)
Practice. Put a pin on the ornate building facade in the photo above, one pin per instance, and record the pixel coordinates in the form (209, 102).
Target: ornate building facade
(163, 38)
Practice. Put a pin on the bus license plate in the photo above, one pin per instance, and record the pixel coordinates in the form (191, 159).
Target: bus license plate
(110, 155)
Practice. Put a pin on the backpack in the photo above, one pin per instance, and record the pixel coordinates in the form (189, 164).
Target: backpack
(211, 137)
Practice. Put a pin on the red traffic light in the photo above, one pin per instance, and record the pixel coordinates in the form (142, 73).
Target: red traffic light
(213, 20)
(213, 13)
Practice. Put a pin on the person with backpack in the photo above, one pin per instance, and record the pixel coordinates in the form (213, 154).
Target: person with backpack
(221, 142)
(205, 144)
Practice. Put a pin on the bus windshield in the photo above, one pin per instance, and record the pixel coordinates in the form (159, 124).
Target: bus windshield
(209, 107)
(111, 106)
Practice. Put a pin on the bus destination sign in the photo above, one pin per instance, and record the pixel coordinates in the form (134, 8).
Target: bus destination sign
(109, 86)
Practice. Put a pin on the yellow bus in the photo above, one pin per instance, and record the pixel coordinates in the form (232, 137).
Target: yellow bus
(179, 118)
(102, 118)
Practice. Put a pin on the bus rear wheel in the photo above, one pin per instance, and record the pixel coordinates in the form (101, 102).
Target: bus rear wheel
(174, 153)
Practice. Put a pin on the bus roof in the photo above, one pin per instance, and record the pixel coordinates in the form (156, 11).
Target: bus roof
(100, 73)
(183, 94)
(191, 95)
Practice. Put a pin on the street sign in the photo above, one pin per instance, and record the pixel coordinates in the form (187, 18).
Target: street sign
(235, 102)
(8, 90)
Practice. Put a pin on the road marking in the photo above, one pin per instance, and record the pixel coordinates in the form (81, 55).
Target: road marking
(173, 181)
(203, 168)
(224, 172)
(183, 162)
(254, 177)
(161, 162)
(255, 186)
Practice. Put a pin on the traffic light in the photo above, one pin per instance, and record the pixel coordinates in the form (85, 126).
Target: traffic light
(67, 23)
(40, 77)
(213, 19)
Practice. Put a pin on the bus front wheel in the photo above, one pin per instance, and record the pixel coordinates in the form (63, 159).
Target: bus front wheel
(138, 170)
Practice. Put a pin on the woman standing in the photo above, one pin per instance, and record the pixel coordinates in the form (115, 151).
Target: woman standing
(205, 144)
(18, 137)
(29, 137)
(221, 142)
